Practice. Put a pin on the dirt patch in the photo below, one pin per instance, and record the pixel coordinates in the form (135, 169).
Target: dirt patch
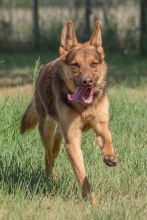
(19, 90)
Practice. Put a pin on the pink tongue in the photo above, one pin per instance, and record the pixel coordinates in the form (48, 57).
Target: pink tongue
(76, 95)
(80, 96)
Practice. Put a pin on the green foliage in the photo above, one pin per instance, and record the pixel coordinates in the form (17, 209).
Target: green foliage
(111, 38)
(50, 37)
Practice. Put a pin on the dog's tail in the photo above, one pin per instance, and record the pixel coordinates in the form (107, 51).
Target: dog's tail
(30, 118)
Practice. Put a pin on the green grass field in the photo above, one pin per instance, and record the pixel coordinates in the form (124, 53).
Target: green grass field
(26, 193)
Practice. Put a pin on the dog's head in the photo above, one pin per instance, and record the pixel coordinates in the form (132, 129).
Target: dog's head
(83, 63)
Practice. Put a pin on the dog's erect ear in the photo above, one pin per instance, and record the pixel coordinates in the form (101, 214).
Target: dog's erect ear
(68, 38)
(96, 38)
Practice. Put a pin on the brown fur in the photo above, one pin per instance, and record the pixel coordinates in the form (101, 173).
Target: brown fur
(58, 117)
(30, 118)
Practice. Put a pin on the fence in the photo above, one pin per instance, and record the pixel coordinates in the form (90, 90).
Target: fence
(120, 21)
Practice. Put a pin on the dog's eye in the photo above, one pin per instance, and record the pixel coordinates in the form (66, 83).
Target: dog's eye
(94, 64)
(75, 65)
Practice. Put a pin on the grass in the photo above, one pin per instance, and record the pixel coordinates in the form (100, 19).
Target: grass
(26, 193)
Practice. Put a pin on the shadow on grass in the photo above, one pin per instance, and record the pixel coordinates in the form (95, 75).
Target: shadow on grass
(13, 80)
(129, 70)
(14, 179)
(123, 69)
(18, 68)
(25, 59)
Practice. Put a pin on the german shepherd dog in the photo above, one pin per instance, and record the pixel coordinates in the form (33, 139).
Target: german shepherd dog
(70, 97)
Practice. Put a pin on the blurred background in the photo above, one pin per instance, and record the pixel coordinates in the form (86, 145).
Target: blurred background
(29, 36)
(30, 30)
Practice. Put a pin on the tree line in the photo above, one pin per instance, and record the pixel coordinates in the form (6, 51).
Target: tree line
(88, 10)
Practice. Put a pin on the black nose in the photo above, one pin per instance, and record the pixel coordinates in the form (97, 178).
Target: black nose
(87, 82)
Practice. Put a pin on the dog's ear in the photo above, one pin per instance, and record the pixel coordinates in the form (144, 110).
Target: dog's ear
(68, 38)
(96, 38)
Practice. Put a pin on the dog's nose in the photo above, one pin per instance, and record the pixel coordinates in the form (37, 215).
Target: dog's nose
(87, 82)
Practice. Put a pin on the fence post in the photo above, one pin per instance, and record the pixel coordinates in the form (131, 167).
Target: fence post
(143, 27)
(35, 18)
(88, 11)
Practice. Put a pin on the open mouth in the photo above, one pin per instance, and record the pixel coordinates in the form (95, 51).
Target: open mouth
(82, 94)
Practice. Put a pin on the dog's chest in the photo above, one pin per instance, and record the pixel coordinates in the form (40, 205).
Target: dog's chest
(88, 117)
(92, 116)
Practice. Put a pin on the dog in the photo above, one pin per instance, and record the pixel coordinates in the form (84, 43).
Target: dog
(70, 97)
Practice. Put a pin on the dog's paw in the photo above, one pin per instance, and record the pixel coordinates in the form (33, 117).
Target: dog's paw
(110, 160)
(93, 199)
(52, 175)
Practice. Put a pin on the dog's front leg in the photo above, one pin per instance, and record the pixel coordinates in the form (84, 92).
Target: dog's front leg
(73, 142)
(72, 137)
(105, 141)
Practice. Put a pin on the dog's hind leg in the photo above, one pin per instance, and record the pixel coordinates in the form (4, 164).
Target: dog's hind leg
(57, 142)
(47, 130)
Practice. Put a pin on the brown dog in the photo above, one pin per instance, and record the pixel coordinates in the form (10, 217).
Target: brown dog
(70, 97)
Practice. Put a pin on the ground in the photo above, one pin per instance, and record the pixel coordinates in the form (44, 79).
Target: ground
(25, 191)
